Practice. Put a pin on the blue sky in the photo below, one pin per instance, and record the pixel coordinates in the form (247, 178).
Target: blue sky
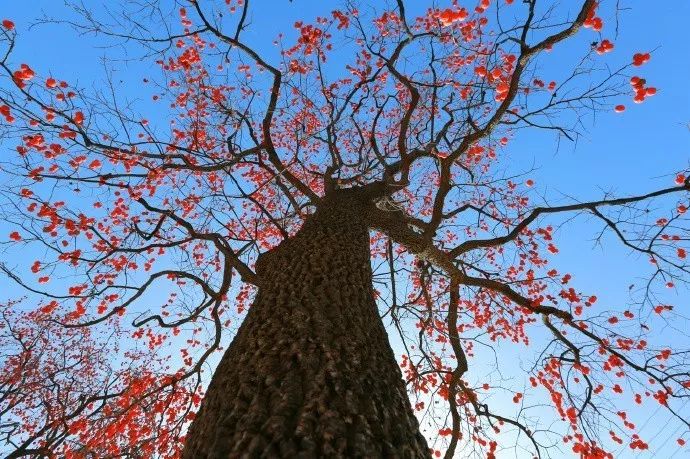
(633, 152)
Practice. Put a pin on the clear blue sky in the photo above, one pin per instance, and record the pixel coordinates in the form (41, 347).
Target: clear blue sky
(628, 153)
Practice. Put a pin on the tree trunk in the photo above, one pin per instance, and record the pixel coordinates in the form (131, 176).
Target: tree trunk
(310, 372)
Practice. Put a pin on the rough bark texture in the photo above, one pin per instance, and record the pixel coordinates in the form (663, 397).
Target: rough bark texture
(311, 372)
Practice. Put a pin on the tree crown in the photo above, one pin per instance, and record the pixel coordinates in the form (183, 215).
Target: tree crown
(411, 112)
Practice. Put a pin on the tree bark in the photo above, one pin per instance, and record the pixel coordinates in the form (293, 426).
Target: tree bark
(311, 372)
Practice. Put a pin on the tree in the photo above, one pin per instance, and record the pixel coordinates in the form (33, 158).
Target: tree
(279, 182)
(60, 385)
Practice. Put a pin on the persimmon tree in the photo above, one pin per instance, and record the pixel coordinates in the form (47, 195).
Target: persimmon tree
(61, 391)
(270, 195)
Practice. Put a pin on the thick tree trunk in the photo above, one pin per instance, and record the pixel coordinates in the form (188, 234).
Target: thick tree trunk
(310, 372)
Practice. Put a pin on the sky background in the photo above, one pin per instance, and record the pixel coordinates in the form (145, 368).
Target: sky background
(627, 153)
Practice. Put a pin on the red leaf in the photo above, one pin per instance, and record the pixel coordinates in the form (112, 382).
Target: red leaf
(640, 59)
(79, 118)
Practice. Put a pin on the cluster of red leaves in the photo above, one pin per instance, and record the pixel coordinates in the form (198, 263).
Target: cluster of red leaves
(64, 395)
